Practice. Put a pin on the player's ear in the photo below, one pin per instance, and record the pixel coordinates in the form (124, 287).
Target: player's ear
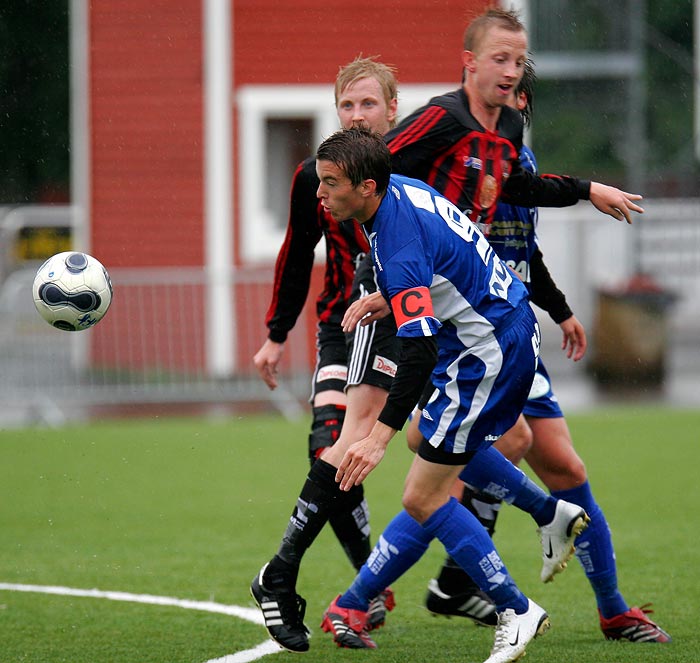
(368, 187)
(468, 60)
(393, 109)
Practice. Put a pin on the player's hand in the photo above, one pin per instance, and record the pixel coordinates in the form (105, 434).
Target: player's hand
(365, 310)
(618, 204)
(266, 360)
(574, 341)
(363, 456)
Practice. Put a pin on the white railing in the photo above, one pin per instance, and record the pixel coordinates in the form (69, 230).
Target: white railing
(149, 348)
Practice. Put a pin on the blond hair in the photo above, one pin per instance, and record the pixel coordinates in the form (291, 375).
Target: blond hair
(368, 67)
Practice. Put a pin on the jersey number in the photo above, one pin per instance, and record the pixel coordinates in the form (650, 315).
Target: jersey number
(500, 275)
(522, 269)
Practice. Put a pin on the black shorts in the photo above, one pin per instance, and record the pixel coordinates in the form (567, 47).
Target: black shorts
(331, 370)
(441, 457)
(373, 351)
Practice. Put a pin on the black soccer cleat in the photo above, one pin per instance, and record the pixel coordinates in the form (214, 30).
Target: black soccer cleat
(283, 612)
(378, 607)
(470, 602)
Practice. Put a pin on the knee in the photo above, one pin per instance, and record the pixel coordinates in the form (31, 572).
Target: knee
(413, 435)
(515, 444)
(415, 506)
(325, 428)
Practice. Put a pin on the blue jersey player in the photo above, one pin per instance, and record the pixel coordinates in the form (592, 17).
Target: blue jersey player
(542, 437)
(462, 316)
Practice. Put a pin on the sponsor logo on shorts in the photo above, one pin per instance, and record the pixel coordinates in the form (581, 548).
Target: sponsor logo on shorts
(540, 387)
(332, 372)
(384, 365)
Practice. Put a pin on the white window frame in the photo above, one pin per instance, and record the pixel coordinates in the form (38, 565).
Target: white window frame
(260, 237)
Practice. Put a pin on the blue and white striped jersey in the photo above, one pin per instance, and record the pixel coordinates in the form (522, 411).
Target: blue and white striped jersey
(437, 269)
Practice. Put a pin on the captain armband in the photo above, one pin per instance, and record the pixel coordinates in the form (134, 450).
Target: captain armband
(412, 304)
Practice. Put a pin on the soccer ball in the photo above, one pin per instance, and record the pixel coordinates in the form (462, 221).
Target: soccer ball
(72, 291)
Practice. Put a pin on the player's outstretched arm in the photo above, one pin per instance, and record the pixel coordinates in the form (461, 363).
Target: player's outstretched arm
(615, 202)
(266, 360)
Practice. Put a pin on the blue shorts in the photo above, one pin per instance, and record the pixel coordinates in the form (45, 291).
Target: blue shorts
(542, 403)
(479, 391)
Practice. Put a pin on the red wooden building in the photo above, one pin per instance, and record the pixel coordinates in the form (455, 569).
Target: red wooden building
(194, 108)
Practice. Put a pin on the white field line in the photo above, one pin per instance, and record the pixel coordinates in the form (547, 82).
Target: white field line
(248, 614)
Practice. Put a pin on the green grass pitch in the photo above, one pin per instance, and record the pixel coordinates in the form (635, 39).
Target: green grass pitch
(191, 508)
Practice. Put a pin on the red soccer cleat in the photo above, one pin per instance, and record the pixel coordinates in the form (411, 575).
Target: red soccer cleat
(633, 625)
(349, 627)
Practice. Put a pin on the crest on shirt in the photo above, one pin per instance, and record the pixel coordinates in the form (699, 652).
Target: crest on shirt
(488, 191)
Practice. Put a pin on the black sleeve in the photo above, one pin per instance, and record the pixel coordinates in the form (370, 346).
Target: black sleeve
(296, 256)
(417, 360)
(526, 189)
(544, 292)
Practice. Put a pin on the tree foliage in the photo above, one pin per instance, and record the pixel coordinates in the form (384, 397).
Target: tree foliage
(34, 101)
(580, 127)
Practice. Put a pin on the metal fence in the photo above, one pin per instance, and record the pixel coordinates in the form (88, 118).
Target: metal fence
(150, 348)
(586, 251)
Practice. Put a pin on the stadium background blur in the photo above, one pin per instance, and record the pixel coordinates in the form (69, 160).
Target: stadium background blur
(162, 139)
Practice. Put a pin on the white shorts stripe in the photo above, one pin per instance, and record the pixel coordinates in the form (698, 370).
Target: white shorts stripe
(361, 346)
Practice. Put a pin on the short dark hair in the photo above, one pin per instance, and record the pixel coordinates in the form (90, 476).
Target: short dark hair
(527, 85)
(507, 19)
(361, 154)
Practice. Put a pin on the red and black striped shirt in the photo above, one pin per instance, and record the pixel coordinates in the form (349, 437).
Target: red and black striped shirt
(444, 145)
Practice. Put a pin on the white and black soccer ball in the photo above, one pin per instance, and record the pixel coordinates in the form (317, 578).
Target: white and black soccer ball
(72, 291)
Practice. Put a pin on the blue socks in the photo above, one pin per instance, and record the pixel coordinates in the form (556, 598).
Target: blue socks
(492, 473)
(594, 550)
(399, 547)
(467, 542)
(404, 541)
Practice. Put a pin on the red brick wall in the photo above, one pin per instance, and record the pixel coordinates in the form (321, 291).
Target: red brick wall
(146, 106)
(306, 41)
(146, 133)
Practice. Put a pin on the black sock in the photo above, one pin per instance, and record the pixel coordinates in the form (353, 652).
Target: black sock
(483, 506)
(310, 514)
(453, 579)
(350, 522)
